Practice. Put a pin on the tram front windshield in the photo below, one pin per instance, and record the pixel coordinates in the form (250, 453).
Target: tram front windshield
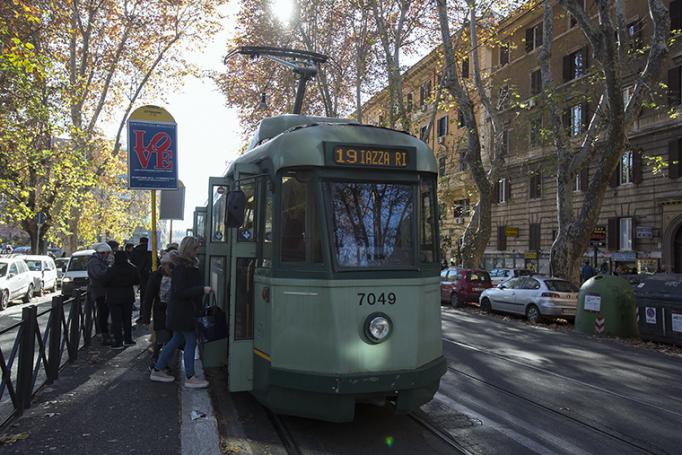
(372, 224)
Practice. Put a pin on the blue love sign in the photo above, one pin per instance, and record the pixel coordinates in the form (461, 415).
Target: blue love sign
(152, 150)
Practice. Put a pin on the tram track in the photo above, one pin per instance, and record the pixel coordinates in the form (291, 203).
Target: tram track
(535, 403)
(288, 441)
(441, 434)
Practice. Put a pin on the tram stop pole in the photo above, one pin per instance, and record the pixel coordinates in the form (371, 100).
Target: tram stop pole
(154, 239)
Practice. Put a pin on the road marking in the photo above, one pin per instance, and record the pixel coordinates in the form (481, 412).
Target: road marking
(551, 373)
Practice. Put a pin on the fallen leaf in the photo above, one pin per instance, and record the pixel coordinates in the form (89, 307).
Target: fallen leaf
(8, 439)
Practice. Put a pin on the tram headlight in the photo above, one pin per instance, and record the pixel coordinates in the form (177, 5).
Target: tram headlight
(378, 327)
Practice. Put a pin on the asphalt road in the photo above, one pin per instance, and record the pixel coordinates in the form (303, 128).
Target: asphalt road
(515, 388)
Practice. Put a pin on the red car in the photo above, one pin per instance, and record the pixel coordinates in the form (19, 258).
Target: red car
(458, 285)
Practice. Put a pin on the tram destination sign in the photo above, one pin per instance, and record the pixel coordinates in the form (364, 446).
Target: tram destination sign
(370, 156)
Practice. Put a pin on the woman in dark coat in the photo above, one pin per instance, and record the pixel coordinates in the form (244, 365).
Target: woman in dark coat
(185, 299)
(155, 302)
(120, 298)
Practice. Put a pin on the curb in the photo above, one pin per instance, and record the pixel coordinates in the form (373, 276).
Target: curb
(199, 436)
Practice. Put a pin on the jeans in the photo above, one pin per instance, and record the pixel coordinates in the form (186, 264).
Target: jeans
(121, 321)
(170, 347)
(102, 316)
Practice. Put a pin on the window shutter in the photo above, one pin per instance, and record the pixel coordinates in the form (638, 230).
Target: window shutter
(465, 68)
(633, 233)
(674, 86)
(615, 177)
(566, 120)
(501, 238)
(538, 35)
(637, 167)
(531, 187)
(507, 190)
(674, 159)
(568, 67)
(586, 116)
(496, 196)
(529, 39)
(612, 234)
(584, 179)
(534, 237)
(676, 15)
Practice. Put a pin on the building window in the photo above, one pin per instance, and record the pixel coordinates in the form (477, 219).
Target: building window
(504, 54)
(443, 126)
(575, 64)
(424, 93)
(534, 37)
(627, 95)
(626, 168)
(535, 82)
(575, 120)
(635, 34)
(676, 15)
(536, 131)
(505, 141)
(502, 187)
(535, 186)
(461, 208)
(441, 166)
(460, 118)
(572, 21)
(625, 237)
(410, 102)
(422, 133)
(465, 68)
(534, 237)
(674, 85)
(462, 161)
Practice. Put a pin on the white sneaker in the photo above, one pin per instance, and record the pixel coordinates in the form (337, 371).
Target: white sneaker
(160, 376)
(196, 383)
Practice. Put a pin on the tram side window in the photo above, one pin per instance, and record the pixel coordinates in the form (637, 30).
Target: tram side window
(200, 226)
(266, 229)
(218, 225)
(427, 247)
(246, 233)
(300, 227)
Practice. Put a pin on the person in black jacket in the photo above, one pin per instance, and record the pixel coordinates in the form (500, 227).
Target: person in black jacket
(156, 300)
(120, 297)
(142, 259)
(185, 302)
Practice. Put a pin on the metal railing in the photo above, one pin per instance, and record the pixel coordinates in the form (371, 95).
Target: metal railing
(41, 350)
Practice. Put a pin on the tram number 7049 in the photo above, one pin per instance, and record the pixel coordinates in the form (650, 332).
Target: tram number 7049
(372, 298)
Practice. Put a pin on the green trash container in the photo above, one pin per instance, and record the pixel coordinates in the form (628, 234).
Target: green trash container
(606, 306)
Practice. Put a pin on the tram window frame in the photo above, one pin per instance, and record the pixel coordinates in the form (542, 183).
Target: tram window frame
(312, 219)
(413, 249)
(265, 237)
(432, 247)
(250, 188)
(218, 207)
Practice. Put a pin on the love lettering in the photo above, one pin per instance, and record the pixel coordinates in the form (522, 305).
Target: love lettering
(159, 144)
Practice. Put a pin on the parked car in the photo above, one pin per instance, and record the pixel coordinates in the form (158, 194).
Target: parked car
(535, 297)
(44, 272)
(76, 275)
(61, 264)
(459, 285)
(498, 276)
(15, 281)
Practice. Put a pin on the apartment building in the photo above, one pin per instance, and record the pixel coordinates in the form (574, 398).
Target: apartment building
(640, 226)
(436, 120)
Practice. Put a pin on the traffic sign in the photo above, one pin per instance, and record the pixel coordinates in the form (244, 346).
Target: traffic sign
(598, 237)
(152, 150)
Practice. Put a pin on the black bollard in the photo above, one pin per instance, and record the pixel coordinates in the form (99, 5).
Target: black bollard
(24, 384)
(54, 356)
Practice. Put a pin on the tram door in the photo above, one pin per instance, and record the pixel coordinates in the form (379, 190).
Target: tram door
(243, 266)
(216, 260)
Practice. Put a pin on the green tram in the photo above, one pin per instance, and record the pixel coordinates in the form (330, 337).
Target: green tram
(329, 275)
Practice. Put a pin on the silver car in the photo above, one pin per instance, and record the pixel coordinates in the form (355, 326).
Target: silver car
(536, 297)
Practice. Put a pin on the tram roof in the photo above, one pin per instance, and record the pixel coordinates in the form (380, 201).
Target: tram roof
(298, 140)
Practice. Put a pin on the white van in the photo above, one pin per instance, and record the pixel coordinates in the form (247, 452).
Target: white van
(76, 275)
(44, 272)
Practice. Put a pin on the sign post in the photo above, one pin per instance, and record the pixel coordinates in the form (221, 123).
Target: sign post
(152, 156)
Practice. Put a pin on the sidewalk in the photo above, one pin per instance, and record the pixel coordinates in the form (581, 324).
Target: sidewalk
(105, 404)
